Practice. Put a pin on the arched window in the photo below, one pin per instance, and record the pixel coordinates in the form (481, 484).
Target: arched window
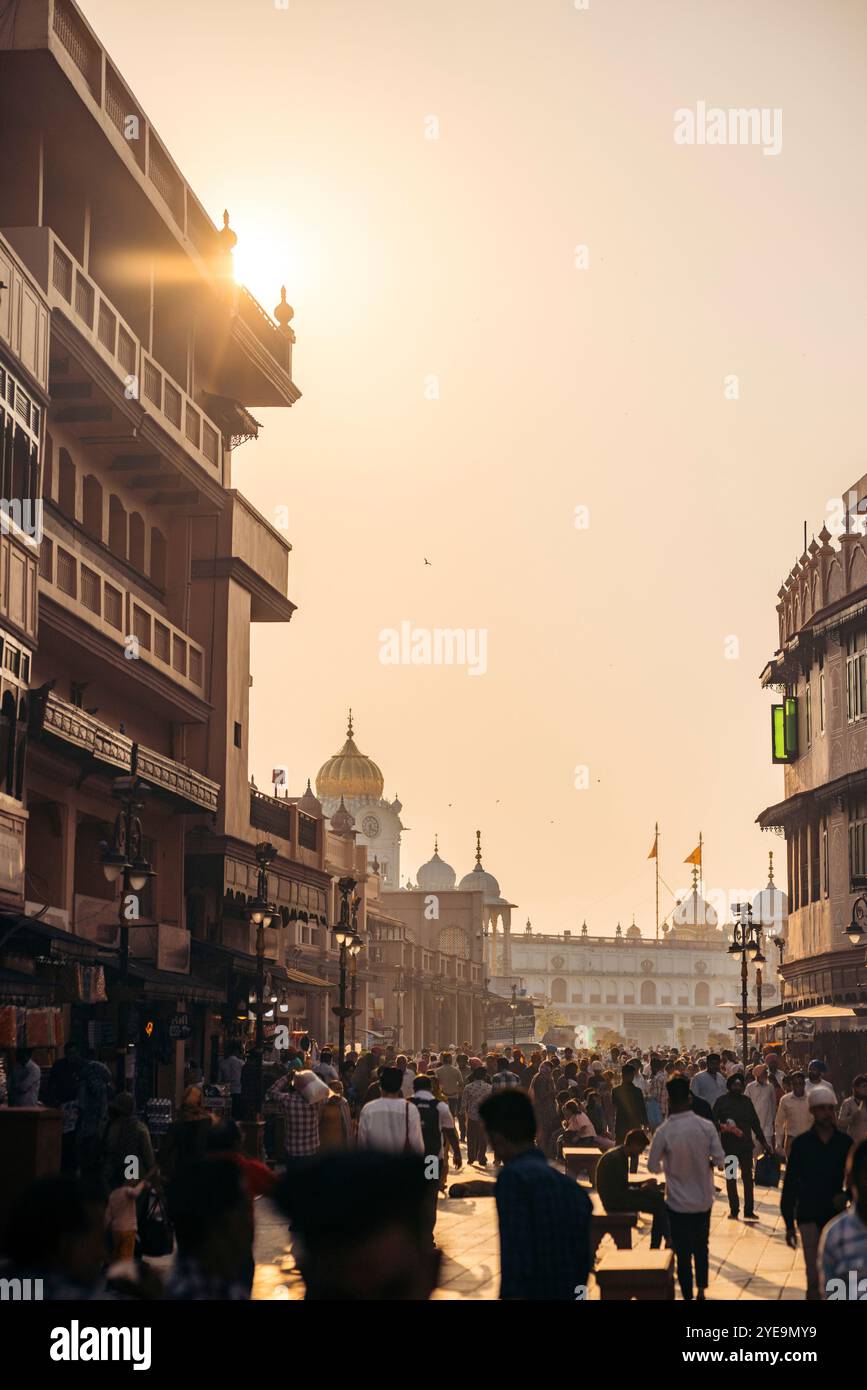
(116, 527)
(558, 991)
(702, 993)
(66, 485)
(91, 506)
(137, 541)
(648, 992)
(158, 562)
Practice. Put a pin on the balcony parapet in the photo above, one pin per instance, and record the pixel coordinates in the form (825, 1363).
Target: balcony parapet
(78, 584)
(114, 749)
(71, 292)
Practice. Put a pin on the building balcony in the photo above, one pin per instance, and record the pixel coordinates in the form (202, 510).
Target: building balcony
(91, 736)
(75, 581)
(240, 935)
(74, 294)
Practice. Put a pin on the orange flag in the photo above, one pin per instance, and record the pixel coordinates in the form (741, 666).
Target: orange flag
(654, 849)
(695, 857)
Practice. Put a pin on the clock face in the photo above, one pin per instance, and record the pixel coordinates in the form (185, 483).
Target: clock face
(370, 827)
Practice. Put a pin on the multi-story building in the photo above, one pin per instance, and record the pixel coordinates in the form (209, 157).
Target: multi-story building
(819, 734)
(151, 569)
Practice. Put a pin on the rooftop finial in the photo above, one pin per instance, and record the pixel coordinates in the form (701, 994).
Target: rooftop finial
(479, 848)
(228, 238)
(770, 866)
(349, 729)
(436, 843)
(284, 313)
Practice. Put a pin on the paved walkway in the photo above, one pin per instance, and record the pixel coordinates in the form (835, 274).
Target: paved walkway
(748, 1259)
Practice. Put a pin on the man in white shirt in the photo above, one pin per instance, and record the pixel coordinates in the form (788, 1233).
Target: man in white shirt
(391, 1124)
(816, 1073)
(764, 1099)
(793, 1114)
(684, 1148)
(231, 1067)
(711, 1084)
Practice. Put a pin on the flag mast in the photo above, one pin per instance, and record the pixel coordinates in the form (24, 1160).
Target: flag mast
(657, 879)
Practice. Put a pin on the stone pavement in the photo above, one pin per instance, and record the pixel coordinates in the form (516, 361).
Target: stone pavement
(748, 1259)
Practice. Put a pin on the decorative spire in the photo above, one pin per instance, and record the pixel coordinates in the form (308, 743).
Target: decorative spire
(479, 848)
(770, 867)
(284, 313)
(349, 729)
(228, 239)
(436, 843)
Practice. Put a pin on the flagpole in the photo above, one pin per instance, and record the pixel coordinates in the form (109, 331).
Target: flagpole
(657, 880)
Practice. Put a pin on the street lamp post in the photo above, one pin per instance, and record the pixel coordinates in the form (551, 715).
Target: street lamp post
(261, 912)
(123, 859)
(349, 944)
(514, 1008)
(746, 941)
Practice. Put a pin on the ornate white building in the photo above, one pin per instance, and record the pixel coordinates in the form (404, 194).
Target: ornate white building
(681, 988)
(351, 778)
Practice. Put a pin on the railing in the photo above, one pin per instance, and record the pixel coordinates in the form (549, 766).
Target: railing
(108, 745)
(69, 289)
(120, 614)
(78, 43)
(278, 345)
(271, 813)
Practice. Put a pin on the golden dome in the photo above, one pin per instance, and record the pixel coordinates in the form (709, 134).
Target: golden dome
(349, 773)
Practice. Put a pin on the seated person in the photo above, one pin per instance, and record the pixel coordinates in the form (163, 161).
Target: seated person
(578, 1131)
(617, 1193)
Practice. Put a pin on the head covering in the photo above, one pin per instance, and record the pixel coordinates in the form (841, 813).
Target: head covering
(821, 1095)
(596, 1066)
(816, 1065)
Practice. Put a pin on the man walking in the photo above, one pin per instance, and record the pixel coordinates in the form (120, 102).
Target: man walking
(853, 1111)
(390, 1124)
(451, 1082)
(813, 1185)
(762, 1094)
(709, 1085)
(477, 1089)
(736, 1118)
(544, 1216)
(793, 1114)
(437, 1128)
(684, 1148)
(504, 1076)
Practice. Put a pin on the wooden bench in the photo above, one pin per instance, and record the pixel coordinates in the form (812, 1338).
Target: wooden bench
(581, 1163)
(619, 1225)
(636, 1274)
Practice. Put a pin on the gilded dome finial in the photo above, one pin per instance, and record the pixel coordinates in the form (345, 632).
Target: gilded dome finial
(436, 843)
(770, 866)
(227, 238)
(349, 729)
(478, 847)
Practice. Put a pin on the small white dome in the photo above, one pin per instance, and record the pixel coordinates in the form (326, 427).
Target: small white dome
(436, 876)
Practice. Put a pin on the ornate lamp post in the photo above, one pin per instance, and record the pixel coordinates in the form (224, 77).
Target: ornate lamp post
(856, 929)
(747, 941)
(262, 914)
(349, 944)
(122, 859)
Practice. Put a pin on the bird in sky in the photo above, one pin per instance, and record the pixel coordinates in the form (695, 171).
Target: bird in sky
(426, 560)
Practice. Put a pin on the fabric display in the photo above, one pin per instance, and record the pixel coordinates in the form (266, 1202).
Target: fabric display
(8, 1025)
(90, 984)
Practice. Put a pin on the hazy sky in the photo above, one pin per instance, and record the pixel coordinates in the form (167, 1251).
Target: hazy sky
(410, 259)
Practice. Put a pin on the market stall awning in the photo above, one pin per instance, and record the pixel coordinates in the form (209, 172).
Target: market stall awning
(769, 1022)
(166, 984)
(825, 1011)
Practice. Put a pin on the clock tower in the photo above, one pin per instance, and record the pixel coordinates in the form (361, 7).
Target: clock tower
(356, 778)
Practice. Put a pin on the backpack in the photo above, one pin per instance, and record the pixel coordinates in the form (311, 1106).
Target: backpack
(429, 1115)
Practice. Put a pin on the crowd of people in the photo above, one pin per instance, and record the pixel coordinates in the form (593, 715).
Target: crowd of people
(385, 1127)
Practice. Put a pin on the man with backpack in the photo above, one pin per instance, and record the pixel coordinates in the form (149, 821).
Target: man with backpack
(437, 1127)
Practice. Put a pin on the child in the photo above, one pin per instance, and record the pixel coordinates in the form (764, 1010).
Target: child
(121, 1218)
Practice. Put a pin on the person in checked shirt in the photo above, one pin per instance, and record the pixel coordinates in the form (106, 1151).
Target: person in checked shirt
(300, 1095)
